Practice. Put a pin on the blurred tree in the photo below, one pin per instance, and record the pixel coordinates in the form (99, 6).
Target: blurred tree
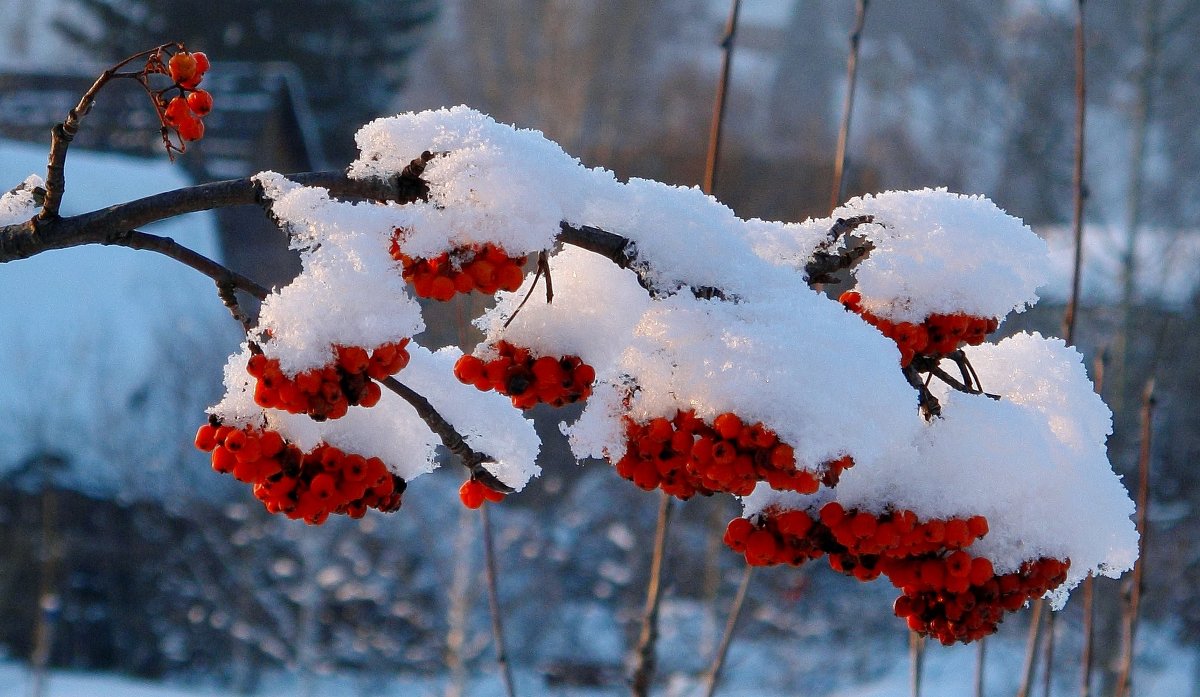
(353, 53)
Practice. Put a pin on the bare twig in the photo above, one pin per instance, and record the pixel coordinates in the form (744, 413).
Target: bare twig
(543, 268)
(929, 405)
(489, 555)
(1089, 583)
(916, 655)
(63, 133)
(1078, 187)
(1031, 646)
(718, 117)
(644, 656)
(1048, 665)
(1133, 590)
(980, 664)
(735, 612)
(839, 160)
(825, 263)
(1089, 635)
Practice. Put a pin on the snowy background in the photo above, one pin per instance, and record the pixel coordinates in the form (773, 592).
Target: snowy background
(108, 359)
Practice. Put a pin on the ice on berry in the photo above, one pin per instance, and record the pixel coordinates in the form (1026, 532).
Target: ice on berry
(943, 253)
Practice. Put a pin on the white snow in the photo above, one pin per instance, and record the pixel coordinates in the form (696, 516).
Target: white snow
(802, 366)
(1034, 463)
(773, 351)
(944, 253)
(350, 292)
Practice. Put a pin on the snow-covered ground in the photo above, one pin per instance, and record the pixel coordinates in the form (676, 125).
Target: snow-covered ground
(81, 328)
(1164, 669)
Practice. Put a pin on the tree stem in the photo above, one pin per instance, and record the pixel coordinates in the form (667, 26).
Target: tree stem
(643, 672)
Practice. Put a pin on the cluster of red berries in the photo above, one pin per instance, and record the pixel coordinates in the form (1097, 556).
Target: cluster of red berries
(966, 605)
(327, 392)
(947, 594)
(184, 112)
(527, 380)
(309, 485)
(483, 267)
(474, 492)
(937, 335)
(685, 456)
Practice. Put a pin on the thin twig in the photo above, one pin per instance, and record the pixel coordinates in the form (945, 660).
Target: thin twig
(1089, 583)
(735, 612)
(839, 160)
(980, 663)
(1035, 623)
(64, 132)
(1137, 579)
(1078, 186)
(1048, 665)
(489, 555)
(644, 666)
(916, 655)
(709, 185)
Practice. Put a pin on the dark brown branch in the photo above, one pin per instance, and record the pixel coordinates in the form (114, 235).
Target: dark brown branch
(825, 264)
(27, 239)
(450, 438)
(928, 404)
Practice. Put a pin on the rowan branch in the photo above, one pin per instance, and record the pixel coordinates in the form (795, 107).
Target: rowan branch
(472, 460)
(825, 263)
(64, 132)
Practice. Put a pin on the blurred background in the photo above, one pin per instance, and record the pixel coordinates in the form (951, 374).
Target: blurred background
(122, 554)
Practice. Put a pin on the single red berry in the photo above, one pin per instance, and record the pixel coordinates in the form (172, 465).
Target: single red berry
(471, 493)
(202, 63)
(182, 67)
(191, 128)
(177, 112)
(201, 102)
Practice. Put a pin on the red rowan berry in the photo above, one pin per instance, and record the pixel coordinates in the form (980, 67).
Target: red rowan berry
(201, 102)
(182, 67)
